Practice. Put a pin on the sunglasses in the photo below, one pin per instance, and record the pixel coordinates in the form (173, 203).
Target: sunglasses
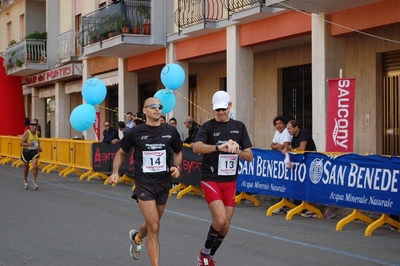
(221, 109)
(34, 125)
(106, 125)
(154, 106)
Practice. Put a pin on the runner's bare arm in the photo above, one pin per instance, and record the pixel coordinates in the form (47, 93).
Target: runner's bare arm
(118, 160)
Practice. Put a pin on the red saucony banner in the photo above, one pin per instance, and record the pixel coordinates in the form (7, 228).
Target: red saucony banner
(96, 126)
(340, 123)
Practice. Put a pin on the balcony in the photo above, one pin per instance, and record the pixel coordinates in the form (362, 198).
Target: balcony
(195, 17)
(26, 58)
(123, 29)
(68, 49)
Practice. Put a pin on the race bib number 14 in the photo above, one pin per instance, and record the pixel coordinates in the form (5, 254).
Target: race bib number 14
(154, 161)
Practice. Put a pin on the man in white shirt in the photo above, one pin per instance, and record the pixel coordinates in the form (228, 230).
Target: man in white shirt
(282, 138)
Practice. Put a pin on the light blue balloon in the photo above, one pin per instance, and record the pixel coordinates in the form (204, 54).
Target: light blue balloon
(167, 99)
(172, 76)
(94, 91)
(83, 117)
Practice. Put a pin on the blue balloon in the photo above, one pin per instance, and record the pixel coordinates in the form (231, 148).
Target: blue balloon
(94, 91)
(167, 99)
(83, 117)
(172, 76)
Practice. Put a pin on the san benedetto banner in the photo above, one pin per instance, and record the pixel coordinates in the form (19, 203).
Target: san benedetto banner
(365, 182)
(340, 122)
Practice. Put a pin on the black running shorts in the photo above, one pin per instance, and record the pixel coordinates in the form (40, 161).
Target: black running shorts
(149, 191)
(29, 155)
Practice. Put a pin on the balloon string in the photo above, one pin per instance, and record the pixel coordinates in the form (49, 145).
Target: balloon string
(107, 108)
(202, 109)
(205, 111)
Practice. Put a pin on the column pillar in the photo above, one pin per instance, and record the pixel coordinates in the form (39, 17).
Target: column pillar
(128, 90)
(88, 134)
(181, 109)
(239, 68)
(328, 57)
(62, 112)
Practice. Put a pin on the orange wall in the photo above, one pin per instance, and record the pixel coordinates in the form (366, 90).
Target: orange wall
(366, 17)
(102, 64)
(147, 60)
(201, 46)
(276, 28)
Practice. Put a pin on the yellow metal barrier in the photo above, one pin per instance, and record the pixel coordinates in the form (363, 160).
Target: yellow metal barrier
(4, 149)
(80, 154)
(61, 156)
(15, 151)
(46, 156)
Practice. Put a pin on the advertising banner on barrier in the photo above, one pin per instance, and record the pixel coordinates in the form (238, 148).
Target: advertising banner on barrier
(190, 168)
(340, 122)
(350, 180)
(267, 174)
(103, 156)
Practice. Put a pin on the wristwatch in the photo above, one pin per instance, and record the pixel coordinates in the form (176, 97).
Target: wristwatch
(216, 147)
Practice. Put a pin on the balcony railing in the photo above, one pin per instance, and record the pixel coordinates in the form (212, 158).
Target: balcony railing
(26, 51)
(191, 12)
(124, 17)
(68, 46)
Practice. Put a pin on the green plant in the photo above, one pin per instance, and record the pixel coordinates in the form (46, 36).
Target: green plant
(37, 35)
(18, 63)
(94, 33)
(144, 11)
(126, 22)
(10, 63)
(12, 42)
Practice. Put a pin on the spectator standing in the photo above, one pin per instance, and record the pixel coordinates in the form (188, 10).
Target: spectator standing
(302, 141)
(123, 129)
(158, 154)
(27, 121)
(281, 140)
(174, 123)
(30, 152)
(222, 141)
(193, 129)
(163, 119)
(109, 133)
(129, 120)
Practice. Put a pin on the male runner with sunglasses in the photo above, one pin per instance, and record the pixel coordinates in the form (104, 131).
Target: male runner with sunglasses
(155, 146)
(222, 141)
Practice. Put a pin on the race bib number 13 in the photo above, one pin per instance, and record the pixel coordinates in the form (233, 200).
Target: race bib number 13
(227, 164)
(154, 161)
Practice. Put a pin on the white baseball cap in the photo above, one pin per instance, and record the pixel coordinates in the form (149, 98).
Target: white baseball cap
(221, 100)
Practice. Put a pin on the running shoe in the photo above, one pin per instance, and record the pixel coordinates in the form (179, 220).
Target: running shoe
(204, 260)
(309, 214)
(279, 211)
(26, 186)
(34, 186)
(135, 248)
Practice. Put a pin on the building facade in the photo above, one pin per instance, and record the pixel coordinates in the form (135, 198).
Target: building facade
(273, 57)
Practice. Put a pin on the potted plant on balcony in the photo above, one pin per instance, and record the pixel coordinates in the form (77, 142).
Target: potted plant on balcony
(137, 28)
(144, 11)
(12, 42)
(126, 25)
(10, 63)
(94, 35)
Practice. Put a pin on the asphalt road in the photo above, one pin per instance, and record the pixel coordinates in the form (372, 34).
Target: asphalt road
(72, 222)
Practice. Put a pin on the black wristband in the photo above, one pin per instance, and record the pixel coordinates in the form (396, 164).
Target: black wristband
(216, 147)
